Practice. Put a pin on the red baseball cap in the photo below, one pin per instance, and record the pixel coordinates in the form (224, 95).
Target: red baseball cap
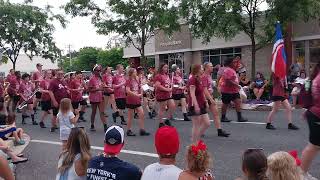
(167, 141)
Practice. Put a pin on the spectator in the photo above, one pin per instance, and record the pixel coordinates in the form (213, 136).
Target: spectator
(313, 117)
(254, 165)
(198, 163)
(259, 85)
(73, 161)
(298, 85)
(282, 166)
(295, 69)
(9, 129)
(245, 83)
(5, 172)
(167, 146)
(108, 165)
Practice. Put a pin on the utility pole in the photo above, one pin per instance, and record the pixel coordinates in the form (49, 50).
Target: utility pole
(70, 56)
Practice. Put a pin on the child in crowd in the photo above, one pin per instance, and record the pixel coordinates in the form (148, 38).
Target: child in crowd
(198, 163)
(254, 165)
(67, 120)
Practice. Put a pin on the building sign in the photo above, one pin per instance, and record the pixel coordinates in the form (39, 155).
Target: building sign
(171, 43)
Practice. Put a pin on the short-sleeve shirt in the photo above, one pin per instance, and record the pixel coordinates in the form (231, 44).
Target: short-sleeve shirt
(229, 74)
(164, 81)
(278, 86)
(119, 92)
(37, 76)
(96, 96)
(76, 96)
(65, 123)
(315, 109)
(13, 86)
(158, 171)
(10, 77)
(135, 86)
(44, 84)
(26, 90)
(207, 82)
(111, 168)
(59, 89)
(107, 79)
(199, 92)
(177, 81)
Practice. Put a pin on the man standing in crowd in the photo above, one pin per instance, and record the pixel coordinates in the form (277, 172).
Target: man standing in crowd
(37, 77)
(57, 90)
(108, 165)
(167, 146)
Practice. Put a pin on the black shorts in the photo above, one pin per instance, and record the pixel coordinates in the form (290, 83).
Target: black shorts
(55, 111)
(38, 95)
(192, 112)
(133, 106)
(121, 103)
(15, 98)
(227, 98)
(107, 94)
(45, 105)
(75, 105)
(161, 100)
(278, 98)
(178, 97)
(314, 128)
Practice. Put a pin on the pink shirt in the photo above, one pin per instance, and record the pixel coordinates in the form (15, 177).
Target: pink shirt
(228, 75)
(135, 86)
(44, 84)
(177, 81)
(315, 109)
(199, 92)
(119, 92)
(207, 82)
(37, 76)
(59, 89)
(107, 79)
(164, 81)
(76, 96)
(26, 89)
(13, 86)
(96, 96)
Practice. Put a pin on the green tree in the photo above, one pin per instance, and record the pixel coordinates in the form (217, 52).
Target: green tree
(28, 29)
(112, 57)
(136, 21)
(226, 18)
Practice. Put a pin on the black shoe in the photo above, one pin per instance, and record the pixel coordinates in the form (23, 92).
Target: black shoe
(161, 125)
(34, 123)
(130, 133)
(150, 115)
(92, 128)
(144, 133)
(154, 113)
(105, 128)
(42, 125)
(223, 133)
(225, 120)
(52, 129)
(135, 116)
(167, 122)
(186, 119)
(292, 127)
(114, 117)
(270, 126)
(242, 120)
(56, 127)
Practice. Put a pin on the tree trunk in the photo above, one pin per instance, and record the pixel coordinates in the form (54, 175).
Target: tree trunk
(253, 54)
(14, 65)
(143, 44)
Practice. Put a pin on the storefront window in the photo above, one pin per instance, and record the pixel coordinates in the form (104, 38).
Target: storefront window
(300, 52)
(314, 52)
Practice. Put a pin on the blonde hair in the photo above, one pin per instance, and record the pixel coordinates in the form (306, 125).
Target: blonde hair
(65, 105)
(282, 166)
(200, 162)
(78, 143)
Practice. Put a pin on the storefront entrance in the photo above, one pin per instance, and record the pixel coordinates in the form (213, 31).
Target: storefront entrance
(173, 58)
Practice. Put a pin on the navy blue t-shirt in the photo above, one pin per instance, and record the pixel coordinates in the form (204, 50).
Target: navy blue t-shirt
(112, 168)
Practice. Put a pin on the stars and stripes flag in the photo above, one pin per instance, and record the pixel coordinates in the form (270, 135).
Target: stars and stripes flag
(279, 59)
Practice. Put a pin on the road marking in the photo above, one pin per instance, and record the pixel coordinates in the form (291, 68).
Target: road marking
(101, 148)
(234, 122)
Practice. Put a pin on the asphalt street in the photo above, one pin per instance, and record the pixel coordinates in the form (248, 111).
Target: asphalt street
(43, 151)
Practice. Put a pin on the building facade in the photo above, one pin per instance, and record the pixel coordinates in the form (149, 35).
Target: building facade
(183, 49)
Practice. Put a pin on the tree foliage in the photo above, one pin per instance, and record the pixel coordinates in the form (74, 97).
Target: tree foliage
(28, 29)
(136, 21)
(226, 18)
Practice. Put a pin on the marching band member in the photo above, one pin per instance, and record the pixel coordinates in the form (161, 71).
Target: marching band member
(26, 89)
(119, 82)
(143, 80)
(178, 90)
(96, 89)
(197, 104)
(45, 97)
(37, 77)
(76, 87)
(133, 102)
(163, 90)
(14, 83)
(208, 91)
(109, 91)
(57, 91)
